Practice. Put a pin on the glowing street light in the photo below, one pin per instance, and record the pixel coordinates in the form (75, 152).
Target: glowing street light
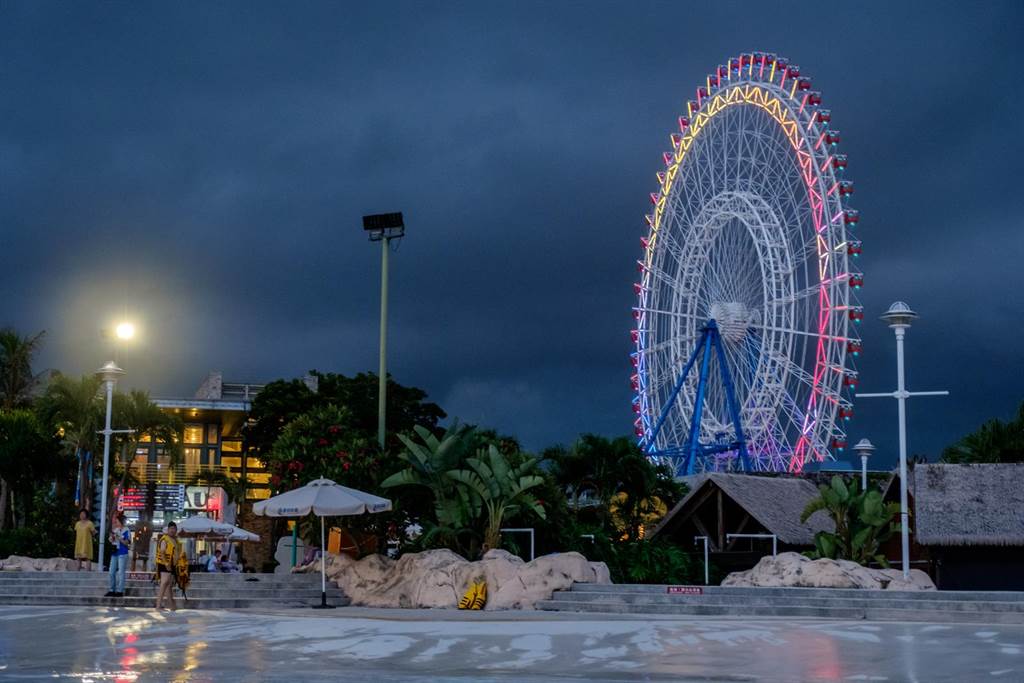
(125, 330)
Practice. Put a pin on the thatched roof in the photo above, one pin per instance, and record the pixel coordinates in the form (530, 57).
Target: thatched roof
(979, 504)
(775, 502)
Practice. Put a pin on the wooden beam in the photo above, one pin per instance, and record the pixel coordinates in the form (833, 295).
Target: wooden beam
(704, 532)
(739, 529)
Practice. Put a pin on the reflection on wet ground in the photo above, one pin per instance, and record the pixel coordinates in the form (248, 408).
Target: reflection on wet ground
(103, 644)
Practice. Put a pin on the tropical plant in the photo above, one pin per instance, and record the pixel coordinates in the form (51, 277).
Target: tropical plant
(499, 489)
(147, 422)
(27, 455)
(16, 378)
(994, 441)
(74, 408)
(863, 521)
(429, 460)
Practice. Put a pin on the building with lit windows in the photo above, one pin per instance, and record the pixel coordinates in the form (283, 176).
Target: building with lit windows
(212, 443)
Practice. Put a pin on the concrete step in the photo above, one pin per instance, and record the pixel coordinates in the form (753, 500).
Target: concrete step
(148, 602)
(731, 610)
(207, 591)
(660, 589)
(756, 599)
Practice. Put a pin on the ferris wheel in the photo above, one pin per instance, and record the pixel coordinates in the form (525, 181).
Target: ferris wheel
(746, 306)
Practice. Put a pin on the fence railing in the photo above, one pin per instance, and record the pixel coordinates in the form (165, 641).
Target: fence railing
(182, 473)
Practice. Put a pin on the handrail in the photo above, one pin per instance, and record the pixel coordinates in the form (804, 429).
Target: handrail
(181, 473)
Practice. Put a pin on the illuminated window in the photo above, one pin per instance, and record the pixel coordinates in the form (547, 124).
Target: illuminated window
(146, 438)
(193, 433)
(230, 461)
(254, 464)
(191, 457)
(259, 477)
(258, 494)
(231, 446)
(211, 434)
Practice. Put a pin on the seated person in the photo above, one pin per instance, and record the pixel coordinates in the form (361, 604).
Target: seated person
(213, 562)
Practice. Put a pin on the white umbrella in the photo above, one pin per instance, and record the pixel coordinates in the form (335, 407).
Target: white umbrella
(200, 526)
(323, 498)
(240, 534)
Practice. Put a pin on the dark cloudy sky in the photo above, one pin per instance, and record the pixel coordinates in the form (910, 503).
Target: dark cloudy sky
(203, 168)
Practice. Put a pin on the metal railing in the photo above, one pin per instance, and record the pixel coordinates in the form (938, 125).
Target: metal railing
(182, 473)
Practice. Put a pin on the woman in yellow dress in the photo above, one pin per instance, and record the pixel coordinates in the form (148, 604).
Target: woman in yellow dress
(84, 531)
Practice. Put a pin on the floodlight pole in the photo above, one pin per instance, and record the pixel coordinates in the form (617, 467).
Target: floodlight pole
(899, 316)
(383, 227)
(382, 393)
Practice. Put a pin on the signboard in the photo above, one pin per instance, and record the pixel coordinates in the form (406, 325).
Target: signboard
(167, 498)
(685, 590)
(204, 498)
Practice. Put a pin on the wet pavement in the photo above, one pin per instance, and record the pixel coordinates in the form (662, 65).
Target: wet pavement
(352, 644)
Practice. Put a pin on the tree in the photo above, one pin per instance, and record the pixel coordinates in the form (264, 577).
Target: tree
(429, 460)
(134, 411)
(863, 521)
(16, 378)
(74, 409)
(498, 488)
(26, 457)
(281, 402)
(994, 441)
(615, 481)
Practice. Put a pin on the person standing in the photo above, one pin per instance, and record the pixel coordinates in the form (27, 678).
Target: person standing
(168, 555)
(120, 543)
(84, 531)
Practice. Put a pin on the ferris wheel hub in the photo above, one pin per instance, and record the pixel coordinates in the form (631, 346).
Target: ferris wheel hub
(734, 318)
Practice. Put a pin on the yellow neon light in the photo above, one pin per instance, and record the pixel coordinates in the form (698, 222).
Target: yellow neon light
(750, 94)
(772, 77)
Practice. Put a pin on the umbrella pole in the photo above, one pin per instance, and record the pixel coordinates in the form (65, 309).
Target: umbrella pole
(323, 571)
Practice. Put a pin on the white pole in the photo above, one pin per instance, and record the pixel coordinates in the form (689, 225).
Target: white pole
(901, 396)
(323, 565)
(106, 474)
(707, 570)
(864, 473)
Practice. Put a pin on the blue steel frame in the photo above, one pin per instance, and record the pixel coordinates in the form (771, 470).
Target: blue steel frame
(710, 340)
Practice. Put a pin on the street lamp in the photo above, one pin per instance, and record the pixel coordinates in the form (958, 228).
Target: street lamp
(864, 449)
(109, 374)
(383, 227)
(125, 331)
(899, 316)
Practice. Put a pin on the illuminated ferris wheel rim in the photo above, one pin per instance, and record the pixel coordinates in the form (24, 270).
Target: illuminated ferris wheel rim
(775, 88)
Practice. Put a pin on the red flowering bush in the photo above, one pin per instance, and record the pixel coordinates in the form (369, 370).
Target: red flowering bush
(324, 443)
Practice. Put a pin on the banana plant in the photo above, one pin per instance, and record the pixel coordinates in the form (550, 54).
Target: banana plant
(863, 521)
(499, 489)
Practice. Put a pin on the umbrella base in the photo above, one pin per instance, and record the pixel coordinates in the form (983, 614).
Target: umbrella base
(323, 602)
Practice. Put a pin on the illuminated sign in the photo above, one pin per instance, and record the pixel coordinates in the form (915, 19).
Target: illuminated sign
(166, 498)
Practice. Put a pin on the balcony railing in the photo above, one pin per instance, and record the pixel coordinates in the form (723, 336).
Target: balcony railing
(177, 474)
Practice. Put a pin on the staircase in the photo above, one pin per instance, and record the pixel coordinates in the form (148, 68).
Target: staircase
(207, 591)
(982, 607)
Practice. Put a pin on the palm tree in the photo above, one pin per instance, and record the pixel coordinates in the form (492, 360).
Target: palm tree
(136, 412)
(994, 441)
(74, 408)
(16, 378)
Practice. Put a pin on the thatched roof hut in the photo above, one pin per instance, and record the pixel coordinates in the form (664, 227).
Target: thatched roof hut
(969, 505)
(775, 503)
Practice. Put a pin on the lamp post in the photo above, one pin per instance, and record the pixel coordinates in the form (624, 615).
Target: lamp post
(383, 228)
(864, 449)
(109, 374)
(899, 316)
